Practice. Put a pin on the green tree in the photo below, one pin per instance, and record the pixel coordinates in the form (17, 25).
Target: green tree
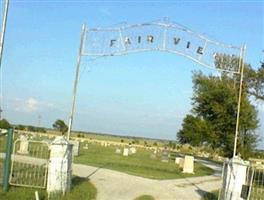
(21, 127)
(60, 126)
(4, 124)
(213, 118)
(155, 144)
(195, 131)
(31, 128)
(253, 78)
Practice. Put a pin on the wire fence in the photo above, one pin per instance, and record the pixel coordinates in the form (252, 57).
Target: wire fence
(2, 154)
(257, 184)
(29, 164)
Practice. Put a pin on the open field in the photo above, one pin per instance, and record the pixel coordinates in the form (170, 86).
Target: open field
(145, 197)
(82, 190)
(139, 164)
(101, 137)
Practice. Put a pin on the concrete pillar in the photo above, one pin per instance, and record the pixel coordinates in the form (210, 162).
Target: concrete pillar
(234, 176)
(60, 169)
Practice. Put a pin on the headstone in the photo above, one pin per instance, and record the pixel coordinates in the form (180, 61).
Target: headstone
(234, 177)
(118, 151)
(59, 169)
(133, 150)
(165, 156)
(177, 160)
(181, 163)
(85, 146)
(153, 156)
(23, 148)
(76, 147)
(188, 164)
(125, 152)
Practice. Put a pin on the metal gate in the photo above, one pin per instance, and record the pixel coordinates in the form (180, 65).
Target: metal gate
(6, 139)
(2, 154)
(29, 163)
(253, 189)
(256, 183)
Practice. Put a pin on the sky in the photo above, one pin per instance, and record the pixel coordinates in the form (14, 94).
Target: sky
(145, 94)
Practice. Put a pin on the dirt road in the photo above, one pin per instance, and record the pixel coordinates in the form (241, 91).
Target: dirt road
(113, 185)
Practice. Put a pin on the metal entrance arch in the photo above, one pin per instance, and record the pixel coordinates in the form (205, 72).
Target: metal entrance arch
(159, 36)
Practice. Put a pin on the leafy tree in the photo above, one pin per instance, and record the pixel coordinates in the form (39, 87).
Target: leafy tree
(155, 144)
(195, 131)
(20, 127)
(253, 79)
(31, 128)
(60, 126)
(4, 124)
(213, 118)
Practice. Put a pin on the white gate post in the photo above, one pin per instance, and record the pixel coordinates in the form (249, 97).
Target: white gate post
(234, 177)
(60, 169)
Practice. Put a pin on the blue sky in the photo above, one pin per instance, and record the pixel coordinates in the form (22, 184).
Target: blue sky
(144, 94)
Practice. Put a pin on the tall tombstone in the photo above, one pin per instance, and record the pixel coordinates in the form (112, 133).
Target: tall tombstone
(177, 160)
(75, 148)
(60, 167)
(165, 156)
(188, 164)
(133, 150)
(23, 148)
(126, 152)
(234, 177)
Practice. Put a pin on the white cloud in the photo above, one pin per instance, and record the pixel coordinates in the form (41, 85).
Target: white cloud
(105, 11)
(29, 105)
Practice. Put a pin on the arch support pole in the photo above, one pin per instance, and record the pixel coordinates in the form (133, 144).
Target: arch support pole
(241, 68)
(83, 32)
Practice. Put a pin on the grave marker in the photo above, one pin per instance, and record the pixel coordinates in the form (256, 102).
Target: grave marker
(23, 149)
(188, 164)
(76, 147)
(125, 152)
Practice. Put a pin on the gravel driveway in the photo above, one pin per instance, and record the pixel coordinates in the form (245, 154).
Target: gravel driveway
(113, 185)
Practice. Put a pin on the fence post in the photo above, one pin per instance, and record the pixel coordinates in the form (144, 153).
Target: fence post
(7, 161)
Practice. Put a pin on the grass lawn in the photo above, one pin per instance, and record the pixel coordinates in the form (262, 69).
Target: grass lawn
(82, 189)
(211, 195)
(139, 164)
(145, 197)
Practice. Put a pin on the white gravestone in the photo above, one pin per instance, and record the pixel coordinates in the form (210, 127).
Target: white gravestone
(23, 148)
(118, 151)
(85, 146)
(59, 169)
(234, 177)
(76, 147)
(181, 163)
(188, 164)
(178, 160)
(165, 156)
(125, 152)
(133, 150)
